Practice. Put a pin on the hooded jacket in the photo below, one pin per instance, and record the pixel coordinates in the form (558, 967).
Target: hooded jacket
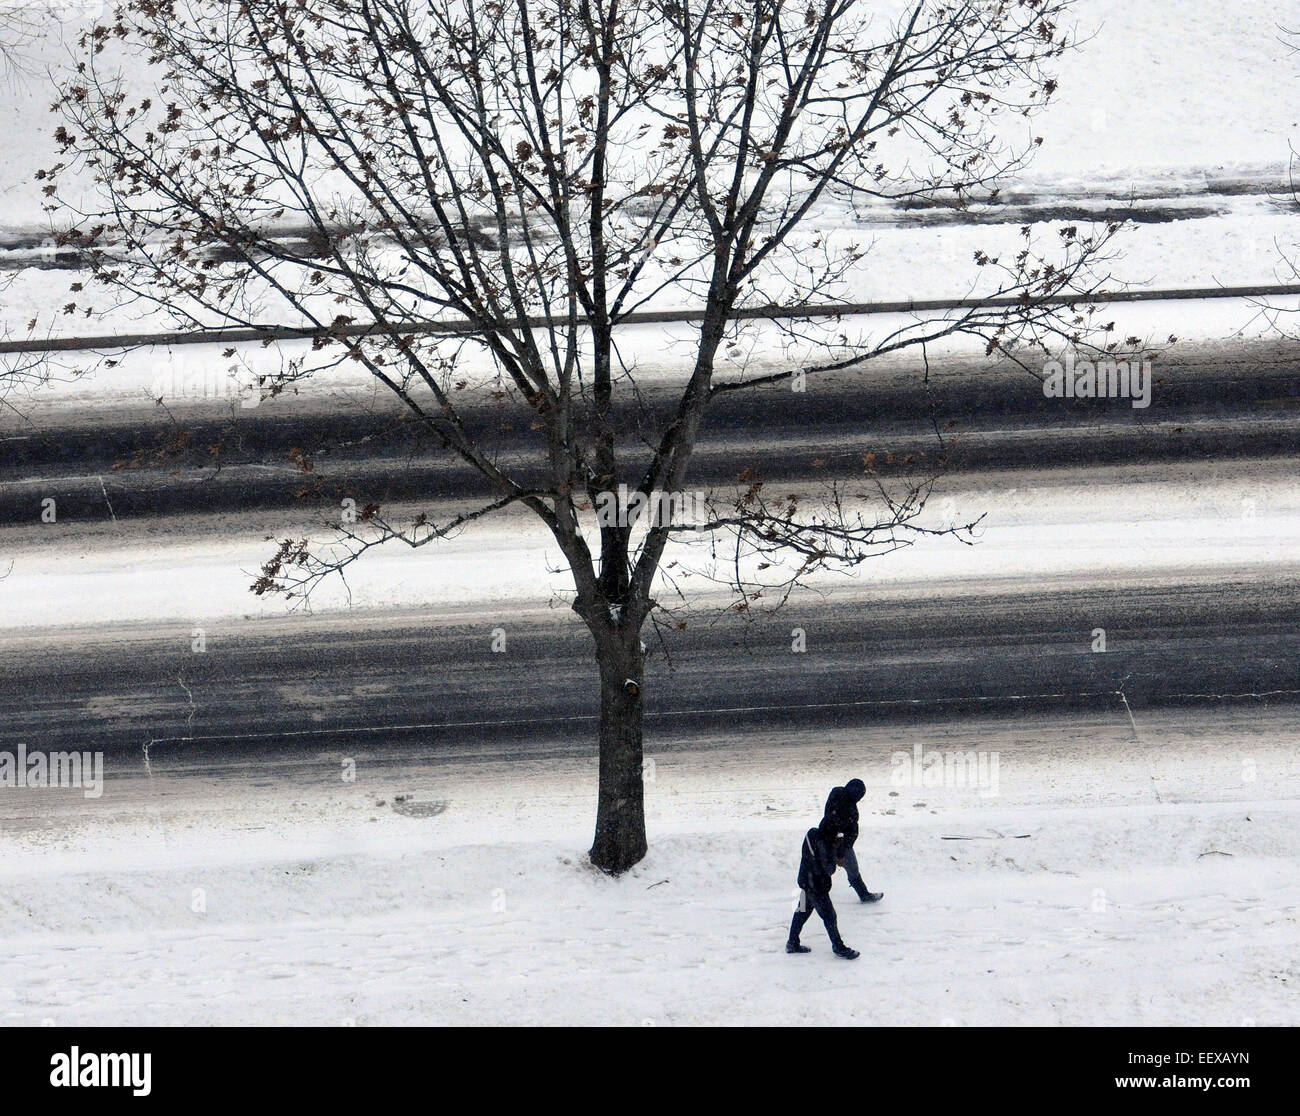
(817, 862)
(842, 810)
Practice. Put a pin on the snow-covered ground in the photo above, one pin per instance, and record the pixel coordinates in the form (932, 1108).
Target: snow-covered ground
(1155, 86)
(1159, 110)
(1153, 885)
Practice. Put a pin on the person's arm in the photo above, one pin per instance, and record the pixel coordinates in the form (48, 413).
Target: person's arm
(828, 855)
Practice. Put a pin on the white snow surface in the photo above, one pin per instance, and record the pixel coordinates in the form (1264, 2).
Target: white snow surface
(1156, 886)
(1154, 86)
(1163, 100)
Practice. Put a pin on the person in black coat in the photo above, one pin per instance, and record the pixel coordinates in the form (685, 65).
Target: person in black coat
(816, 867)
(842, 811)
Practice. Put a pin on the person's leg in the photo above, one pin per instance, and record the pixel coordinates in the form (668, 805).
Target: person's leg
(851, 870)
(822, 904)
(855, 878)
(826, 909)
(803, 912)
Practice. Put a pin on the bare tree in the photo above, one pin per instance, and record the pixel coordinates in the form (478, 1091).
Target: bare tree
(539, 170)
(23, 24)
(20, 25)
(1281, 317)
(19, 371)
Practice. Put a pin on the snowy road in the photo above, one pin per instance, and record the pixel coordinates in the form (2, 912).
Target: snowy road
(232, 882)
(105, 452)
(429, 678)
(1120, 871)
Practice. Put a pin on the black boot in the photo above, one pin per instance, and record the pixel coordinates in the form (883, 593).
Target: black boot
(841, 950)
(792, 942)
(866, 896)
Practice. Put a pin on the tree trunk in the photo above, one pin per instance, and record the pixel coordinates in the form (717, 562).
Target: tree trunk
(620, 812)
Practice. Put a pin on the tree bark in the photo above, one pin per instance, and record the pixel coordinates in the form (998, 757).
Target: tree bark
(620, 812)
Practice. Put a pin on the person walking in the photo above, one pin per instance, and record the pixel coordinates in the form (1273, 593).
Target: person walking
(842, 811)
(817, 863)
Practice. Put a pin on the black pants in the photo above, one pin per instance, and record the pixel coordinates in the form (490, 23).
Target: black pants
(819, 901)
(851, 870)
